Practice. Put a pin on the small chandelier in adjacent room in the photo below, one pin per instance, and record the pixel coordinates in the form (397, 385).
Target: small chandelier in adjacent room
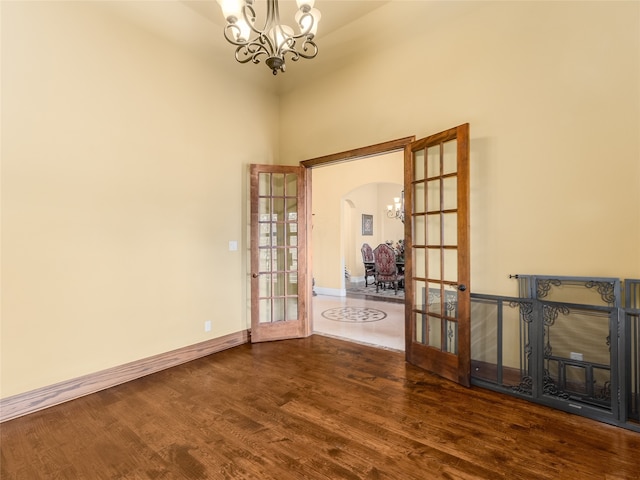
(271, 40)
(397, 209)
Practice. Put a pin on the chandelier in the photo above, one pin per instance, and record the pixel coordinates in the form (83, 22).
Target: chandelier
(272, 40)
(397, 209)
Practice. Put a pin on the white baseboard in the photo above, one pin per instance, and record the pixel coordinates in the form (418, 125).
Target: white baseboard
(334, 292)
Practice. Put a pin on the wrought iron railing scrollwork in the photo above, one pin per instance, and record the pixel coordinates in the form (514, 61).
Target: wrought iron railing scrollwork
(450, 303)
(602, 380)
(550, 313)
(605, 289)
(526, 310)
(525, 387)
(549, 387)
(544, 286)
(605, 392)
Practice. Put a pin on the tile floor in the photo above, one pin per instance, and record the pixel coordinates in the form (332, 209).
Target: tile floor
(361, 320)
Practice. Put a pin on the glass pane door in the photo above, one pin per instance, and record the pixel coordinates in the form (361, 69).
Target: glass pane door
(278, 233)
(439, 212)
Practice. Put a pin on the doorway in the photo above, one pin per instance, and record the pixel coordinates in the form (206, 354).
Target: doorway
(346, 193)
(437, 248)
(347, 304)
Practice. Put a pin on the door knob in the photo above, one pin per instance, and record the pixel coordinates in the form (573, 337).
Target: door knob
(462, 287)
(255, 275)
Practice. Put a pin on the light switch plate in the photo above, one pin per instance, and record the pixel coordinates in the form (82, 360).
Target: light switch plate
(233, 245)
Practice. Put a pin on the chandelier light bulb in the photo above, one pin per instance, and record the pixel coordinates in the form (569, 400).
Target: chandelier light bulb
(305, 5)
(308, 21)
(243, 30)
(397, 209)
(280, 35)
(231, 9)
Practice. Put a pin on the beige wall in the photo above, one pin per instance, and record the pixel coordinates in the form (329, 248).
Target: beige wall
(551, 92)
(121, 160)
(123, 180)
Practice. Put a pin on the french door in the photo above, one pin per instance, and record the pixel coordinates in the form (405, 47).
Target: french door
(279, 297)
(437, 253)
(437, 308)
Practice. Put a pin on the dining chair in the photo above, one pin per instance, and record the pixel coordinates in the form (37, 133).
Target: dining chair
(368, 261)
(385, 267)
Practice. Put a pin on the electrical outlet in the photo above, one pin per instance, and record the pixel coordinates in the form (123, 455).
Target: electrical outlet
(207, 326)
(576, 356)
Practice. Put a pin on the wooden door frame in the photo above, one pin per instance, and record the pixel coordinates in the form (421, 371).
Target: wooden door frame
(358, 153)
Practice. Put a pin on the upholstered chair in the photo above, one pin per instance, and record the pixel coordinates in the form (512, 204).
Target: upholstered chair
(386, 268)
(368, 261)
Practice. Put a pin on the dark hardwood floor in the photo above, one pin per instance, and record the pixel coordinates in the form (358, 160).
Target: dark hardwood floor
(317, 408)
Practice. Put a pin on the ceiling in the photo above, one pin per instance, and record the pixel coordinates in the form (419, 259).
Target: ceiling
(335, 13)
(198, 25)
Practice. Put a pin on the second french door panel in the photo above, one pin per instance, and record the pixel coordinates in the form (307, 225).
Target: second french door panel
(437, 209)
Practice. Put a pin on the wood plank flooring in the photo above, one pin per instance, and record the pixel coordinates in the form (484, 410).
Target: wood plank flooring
(316, 408)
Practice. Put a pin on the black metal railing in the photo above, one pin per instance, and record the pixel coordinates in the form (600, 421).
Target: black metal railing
(632, 347)
(566, 342)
